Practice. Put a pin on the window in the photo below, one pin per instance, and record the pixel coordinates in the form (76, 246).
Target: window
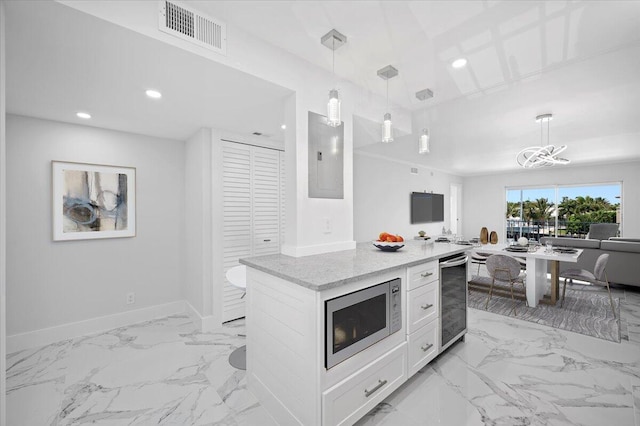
(561, 210)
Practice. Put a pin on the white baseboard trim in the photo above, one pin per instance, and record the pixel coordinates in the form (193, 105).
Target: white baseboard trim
(46, 336)
(205, 324)
(300, 251)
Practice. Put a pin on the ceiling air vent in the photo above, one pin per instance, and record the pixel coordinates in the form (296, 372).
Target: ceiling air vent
(189, 24)
(414, 170)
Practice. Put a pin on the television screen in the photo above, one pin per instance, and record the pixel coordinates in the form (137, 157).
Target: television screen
(427, 207)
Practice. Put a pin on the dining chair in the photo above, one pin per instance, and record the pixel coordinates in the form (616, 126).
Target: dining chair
(479, 259)
(504, 268)
(597, 277)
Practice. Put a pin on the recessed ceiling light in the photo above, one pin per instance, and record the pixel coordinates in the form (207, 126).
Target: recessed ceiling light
(283, 127)
(459, 63)
(153, 94)
(84, 115)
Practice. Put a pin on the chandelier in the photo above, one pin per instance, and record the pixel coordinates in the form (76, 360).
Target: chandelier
(333, 40)
(543, 155)
(387, 130)
(423, 141)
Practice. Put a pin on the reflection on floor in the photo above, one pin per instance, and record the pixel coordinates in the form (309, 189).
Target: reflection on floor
(507, 372)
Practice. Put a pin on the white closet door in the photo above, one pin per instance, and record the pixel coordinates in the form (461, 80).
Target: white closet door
(266, 201)
(236, 238)
(252, 206)
(282, 199)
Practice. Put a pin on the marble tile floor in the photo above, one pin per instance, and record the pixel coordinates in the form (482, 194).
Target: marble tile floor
(507, 372)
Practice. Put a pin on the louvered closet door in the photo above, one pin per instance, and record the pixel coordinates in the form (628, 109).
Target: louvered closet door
(236, 182)
(282, 198)
(266, 201)
(252, 207)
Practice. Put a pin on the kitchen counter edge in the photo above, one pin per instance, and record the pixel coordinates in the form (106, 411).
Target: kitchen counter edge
(329, 270)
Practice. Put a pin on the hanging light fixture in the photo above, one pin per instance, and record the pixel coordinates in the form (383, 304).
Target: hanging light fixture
(423, 142)
(387, 130)
(543, 155)
(333, 40)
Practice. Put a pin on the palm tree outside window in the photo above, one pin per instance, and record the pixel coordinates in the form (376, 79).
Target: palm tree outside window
(561, 210)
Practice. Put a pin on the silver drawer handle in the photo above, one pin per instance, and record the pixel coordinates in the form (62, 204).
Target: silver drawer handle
(380, 384)
(426, 274)
(426, 347)
(427, 306)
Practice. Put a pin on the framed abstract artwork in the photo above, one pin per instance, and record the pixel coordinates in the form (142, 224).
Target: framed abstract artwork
(93, 201)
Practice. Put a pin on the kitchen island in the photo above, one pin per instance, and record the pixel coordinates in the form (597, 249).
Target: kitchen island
(289, 342)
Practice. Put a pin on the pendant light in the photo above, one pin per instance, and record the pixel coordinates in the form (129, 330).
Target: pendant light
(333, 40)
(423, 141)
(543, 155)
(387, 130)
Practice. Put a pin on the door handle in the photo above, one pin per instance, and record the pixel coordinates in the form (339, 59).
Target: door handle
(381, 383)
(426, 347)
(426, 274)
(427, 306)
(266, 241)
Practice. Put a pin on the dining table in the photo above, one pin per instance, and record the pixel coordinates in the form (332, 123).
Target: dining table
(536, 258)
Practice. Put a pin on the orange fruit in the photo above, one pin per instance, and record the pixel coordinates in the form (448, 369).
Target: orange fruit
(391, 238)
(399, 238)
(382, 236)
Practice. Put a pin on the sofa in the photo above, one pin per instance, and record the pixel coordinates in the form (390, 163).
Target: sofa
(624, 256)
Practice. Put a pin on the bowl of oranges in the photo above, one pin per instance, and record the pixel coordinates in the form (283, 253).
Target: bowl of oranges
(389, 242)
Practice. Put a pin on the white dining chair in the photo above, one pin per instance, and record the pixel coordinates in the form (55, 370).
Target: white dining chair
(237, 277)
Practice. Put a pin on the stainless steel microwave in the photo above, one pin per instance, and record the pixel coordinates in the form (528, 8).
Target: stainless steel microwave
(357, 320)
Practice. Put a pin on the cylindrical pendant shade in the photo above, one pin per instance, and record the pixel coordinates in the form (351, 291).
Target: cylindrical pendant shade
(333, 109)
(423, 142)
(387, 130)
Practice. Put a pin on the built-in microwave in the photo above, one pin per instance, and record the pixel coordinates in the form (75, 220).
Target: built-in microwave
(357, 320)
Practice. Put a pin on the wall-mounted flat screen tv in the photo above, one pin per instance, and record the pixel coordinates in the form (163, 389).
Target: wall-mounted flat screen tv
(427, 207)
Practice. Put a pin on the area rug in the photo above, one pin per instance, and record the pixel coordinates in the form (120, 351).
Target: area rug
(586, 311)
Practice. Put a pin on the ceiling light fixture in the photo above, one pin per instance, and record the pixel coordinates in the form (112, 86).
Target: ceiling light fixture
(83, 115)
(283, 127)
(543, 155)
(333, 40)
(154, 94)
(423, 142)
(459, 63)
(387, 130)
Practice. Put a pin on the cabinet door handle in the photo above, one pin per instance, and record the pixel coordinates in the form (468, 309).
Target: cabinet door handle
(266, 241)
(427, 306)
(426, 347)
(426, 274)
(381, 383)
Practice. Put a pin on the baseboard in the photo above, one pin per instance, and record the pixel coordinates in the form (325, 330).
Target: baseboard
(205, 324)
(46, 336)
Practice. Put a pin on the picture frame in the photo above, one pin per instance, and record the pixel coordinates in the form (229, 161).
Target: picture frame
(93, 201)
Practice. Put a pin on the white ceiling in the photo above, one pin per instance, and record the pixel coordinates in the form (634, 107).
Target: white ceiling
(579, 60)
(60, 60)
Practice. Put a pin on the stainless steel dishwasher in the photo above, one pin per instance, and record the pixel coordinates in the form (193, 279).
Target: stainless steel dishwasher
(453, 299)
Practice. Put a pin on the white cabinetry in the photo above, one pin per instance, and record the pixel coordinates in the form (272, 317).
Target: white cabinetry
(352, 398)
(422, 314)
(252, 198)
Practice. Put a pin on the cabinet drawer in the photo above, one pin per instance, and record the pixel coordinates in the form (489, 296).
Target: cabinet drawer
(422, 274)
(423, 347)
(422, 306)
(352, 398)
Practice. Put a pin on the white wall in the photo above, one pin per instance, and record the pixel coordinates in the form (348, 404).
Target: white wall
(484, 196)
(197, 286)
(381, 197)
(249, 54)
(55, 283)
(3, 228)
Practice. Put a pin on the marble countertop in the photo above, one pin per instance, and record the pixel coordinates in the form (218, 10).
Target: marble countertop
(324, 271)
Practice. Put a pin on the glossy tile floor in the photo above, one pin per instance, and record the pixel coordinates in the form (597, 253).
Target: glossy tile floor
(507, 372)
